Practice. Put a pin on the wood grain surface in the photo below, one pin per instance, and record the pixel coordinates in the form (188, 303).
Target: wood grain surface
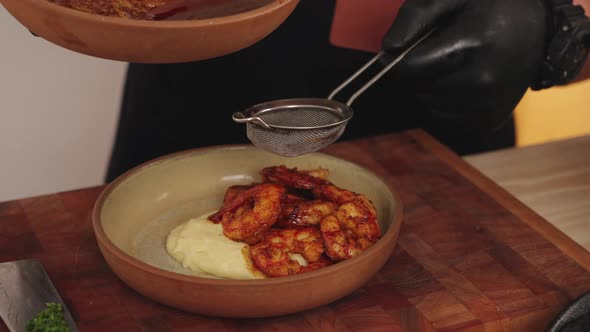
(470, 257)
(553, 179)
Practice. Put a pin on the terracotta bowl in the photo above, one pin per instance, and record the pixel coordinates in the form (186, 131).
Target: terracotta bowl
(144, 41)
(135, 213)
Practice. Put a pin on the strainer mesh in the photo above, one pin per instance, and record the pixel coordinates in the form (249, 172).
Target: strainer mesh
(300, 117)
(311, 129)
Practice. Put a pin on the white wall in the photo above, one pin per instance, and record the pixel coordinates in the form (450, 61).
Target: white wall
(58, 112)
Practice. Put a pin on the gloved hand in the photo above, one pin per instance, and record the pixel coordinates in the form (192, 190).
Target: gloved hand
(473, 70)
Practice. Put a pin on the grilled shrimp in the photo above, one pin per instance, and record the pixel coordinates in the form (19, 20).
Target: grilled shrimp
(350, 229)
(322, 262)
(291, 177)
(250, 214)
(289, 204)
(233, 191)
(320, 173)
(353, 228)
(273, 256)
(306, 213)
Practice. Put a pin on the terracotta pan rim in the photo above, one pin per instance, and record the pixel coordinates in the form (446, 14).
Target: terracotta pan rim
(141, 23)
(101, 236)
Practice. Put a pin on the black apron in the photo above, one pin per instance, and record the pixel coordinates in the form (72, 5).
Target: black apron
(172, 107)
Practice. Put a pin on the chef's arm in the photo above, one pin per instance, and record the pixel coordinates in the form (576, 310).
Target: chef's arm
(585, 73)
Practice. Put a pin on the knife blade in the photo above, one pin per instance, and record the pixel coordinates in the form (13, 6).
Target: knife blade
(25, 288)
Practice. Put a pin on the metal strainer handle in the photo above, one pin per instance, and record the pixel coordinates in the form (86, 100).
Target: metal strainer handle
(376, 77)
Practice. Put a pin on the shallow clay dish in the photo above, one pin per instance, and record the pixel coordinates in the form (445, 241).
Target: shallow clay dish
(143, 41)
(135, 213)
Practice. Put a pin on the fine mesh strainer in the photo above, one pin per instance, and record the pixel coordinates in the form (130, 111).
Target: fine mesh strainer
(292, 127)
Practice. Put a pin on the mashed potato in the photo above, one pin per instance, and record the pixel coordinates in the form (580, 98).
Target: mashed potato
(200, 245)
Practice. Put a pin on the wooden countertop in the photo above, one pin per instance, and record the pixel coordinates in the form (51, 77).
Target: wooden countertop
(469, 257)
(553, 179)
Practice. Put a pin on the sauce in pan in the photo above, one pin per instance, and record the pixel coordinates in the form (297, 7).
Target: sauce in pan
(163, 9)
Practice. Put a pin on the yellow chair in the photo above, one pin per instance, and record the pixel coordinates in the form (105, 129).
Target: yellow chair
(553, 114)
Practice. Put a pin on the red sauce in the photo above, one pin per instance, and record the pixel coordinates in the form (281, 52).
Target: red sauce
(136, 9)
(164, 9)
(203, 9)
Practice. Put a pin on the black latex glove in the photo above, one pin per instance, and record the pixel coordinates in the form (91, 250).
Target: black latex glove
(474, 69)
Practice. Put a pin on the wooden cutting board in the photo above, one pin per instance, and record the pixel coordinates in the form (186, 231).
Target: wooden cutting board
(469, 256)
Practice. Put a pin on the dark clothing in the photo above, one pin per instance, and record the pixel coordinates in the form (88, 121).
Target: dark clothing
(172, 107)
